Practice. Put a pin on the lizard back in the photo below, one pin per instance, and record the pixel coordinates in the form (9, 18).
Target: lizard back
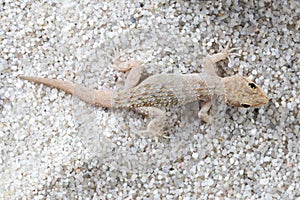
(166, 90)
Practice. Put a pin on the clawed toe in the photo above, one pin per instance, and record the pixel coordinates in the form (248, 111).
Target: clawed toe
(229, 51)
(232, 49)
(150, 133)
(122, 66)
(125, 66)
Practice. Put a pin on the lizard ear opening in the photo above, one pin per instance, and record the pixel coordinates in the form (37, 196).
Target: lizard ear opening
(245, 105)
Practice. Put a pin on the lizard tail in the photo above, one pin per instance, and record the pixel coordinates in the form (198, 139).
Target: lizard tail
(91, 96)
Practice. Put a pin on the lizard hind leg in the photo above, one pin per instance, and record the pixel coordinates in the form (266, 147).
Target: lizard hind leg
(158, 118)
(203, 113)
(133, 68)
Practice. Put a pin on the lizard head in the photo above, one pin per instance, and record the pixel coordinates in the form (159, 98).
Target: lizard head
(242, 92)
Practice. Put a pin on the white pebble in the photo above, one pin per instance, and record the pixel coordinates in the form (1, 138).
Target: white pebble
(264, 181)
(195, 155)
(14, 67)
(40, 21)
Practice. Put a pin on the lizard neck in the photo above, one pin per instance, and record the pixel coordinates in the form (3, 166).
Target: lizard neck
(231, 87)
(212, 86)
(219, 86)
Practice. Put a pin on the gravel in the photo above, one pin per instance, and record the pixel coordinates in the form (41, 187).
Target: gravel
(54, 146)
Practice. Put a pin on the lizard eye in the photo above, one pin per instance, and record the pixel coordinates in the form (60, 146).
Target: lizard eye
(252, 85)
(245, 105)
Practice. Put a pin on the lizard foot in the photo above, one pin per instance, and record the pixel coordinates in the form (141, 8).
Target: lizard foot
(227, 52)
(133, 69)
(125, 66)
(122, 66)
(203, 113)
(151, 133)
(205, 117)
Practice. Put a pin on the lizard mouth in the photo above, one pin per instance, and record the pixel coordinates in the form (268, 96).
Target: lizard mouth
(262, 101)
(258, 103)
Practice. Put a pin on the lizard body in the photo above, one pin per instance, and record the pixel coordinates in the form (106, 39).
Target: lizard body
(166, 90)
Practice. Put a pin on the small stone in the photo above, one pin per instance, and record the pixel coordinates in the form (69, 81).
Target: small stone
(40, 21)
(14, 67)
(195, 155)
(264, 181)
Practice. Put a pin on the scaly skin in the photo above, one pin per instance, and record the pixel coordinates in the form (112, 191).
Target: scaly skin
(166, 90)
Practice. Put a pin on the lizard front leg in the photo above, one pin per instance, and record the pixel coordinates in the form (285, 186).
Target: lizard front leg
(209, 69)
(210, 60)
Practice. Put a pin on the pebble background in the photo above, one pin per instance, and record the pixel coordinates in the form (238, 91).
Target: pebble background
(54, 146)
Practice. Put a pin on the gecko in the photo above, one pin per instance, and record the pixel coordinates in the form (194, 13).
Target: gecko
(160, 91)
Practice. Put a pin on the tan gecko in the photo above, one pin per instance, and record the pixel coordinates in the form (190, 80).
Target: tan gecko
(166, 90)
